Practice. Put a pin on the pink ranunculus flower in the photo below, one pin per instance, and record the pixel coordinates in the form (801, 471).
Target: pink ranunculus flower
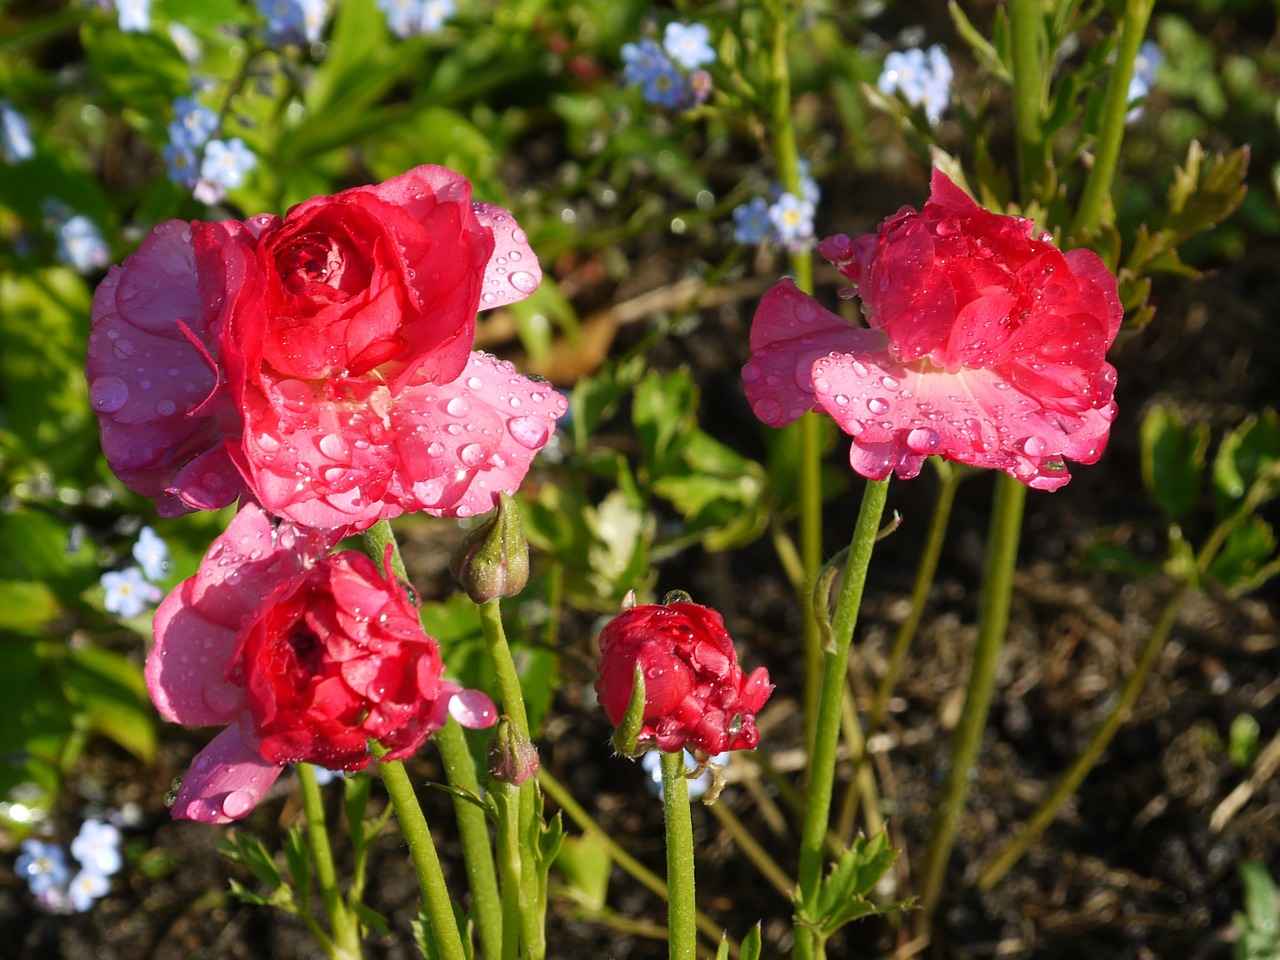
(303, 656)
(326, 355)
(986, 346)
(696, 695)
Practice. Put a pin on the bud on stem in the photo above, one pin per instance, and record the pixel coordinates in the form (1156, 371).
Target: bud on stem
(493, 560)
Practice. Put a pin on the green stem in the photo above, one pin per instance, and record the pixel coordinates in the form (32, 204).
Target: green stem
(1115, 109)
(681, 926)
(1030, 77)
(638, 871)
(500, 654)
(951, 475)
(809, 427)
(346, 932)
(822, 767)
(993, 622)
(507, 798)
(473, 829)
(426, 863)
(1102, 737)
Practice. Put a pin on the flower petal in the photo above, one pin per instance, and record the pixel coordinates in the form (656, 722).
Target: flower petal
(227, 779)
(512, 272)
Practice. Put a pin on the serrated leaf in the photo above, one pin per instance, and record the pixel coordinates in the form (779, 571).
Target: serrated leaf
(983, 50)
(371, 919)
(843, 895)
(250, 853)
(297, 856)
(1173, 460)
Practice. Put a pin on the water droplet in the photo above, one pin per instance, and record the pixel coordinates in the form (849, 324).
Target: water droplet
(877, 405)
(769, 411)
(751, 373)
(475, 383)
(335, 447)
(526, 283)
(221, 698)
(889, 383)
(489, 298)
(237, 803)
(123, 349)
(822, 385)
(435, 448)
(293, 395)
(472, 455)
(457, 407)
(166, 408)
(108, 394)
(1034, 446)
(268, 443)
(529, 432)
(923, 440)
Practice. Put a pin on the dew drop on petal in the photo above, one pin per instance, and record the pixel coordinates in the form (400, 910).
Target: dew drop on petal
(475, 383)
(750, 373)
(108, 394)
(769, 411)
(220, 697)
(888, 383)
(293, 395)
(473, 709)
(457, 407)
(435, 448)
(334, 447)
(237, 803)
(123, 349)
(526, 283)
(1034, 446)
(877, 405)
(166, 408)
(529, 432)
(472, 455)
(923, 440)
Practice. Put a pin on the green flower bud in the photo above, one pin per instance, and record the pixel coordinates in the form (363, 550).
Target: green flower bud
(512, 758)
(493, 560)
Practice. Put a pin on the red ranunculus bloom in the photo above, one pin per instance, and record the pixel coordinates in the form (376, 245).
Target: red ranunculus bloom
(303, 656)
(696, 696)
(322, 361)
(986, 346)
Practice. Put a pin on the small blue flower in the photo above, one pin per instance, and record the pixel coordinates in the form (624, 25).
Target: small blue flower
(921, 78)
(688, 44)
(641, 59)
(128, 593)
(651, 761)
(193, 123)
(152, 554)
(188, 43)
(792, 220)
(81, 246)
(294, 21)
(44, 865)
(15, 134)
(97, 847)
(434, 14)
(85, 888)
(226, 162)
(1145, 67)
(135, 15)
(182, 164)
(751, 223)
(408, 18)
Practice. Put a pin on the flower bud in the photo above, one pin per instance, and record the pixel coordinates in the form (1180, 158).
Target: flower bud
(513, 758)
(493, 560)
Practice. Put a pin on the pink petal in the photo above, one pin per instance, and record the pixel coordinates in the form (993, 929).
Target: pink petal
(242, 566)
(462, 442)
(185, 671)
(789, 332)
(512, 272)
(897, 415)
(208, 482)
(471, 708)
(227, 779)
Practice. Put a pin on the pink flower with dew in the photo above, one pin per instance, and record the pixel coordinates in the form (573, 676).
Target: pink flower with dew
(986, 346)
(287, 648)
(319, 361)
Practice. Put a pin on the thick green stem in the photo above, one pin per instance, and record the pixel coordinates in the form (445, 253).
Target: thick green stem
(507, 798)
(1102, 737)
(822, 767)
(1030, 78)
(346, 932)
(495, 637)
(1115, 110)
(376, 540)
(809, 427)
(997, 593)
(426, 863)
(951, 475)
(681, 904)
(473, 829)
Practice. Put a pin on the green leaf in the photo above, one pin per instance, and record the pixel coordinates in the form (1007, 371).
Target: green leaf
(1248, 455)
(1173, 460)
(371, 919)
(25, 607)
(751, 945)
(37, 724)
(586, 865)
(1258, 927)
(297, 855)
(1242, 741)
(249, 852)
(1247, 558)
(844, 894)
(111, 692)
(141, 69)
(663, 414)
